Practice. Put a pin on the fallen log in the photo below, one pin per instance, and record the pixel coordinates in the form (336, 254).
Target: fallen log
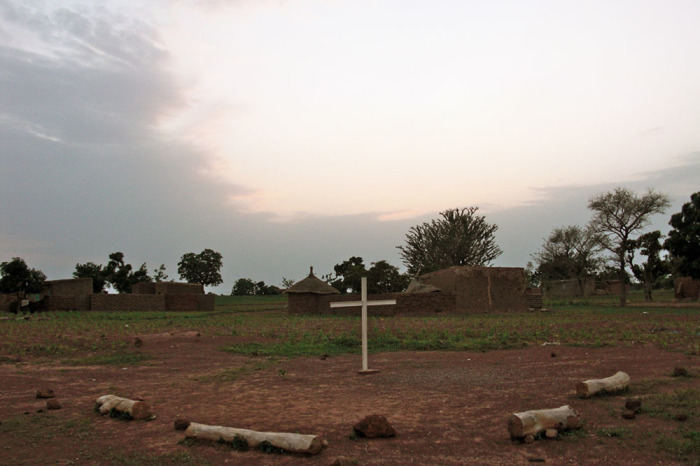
(533, 422)
(615, 383)
(112, 404)
(294, 443)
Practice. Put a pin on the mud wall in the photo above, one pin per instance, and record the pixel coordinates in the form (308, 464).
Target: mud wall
(168, 288)
(189, 302)
(67, 295)
(686, 288)
(152, 302)
(482, 289)
(128, 302)
(406, 304)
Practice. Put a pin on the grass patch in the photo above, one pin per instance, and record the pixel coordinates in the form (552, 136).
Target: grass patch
(685, 444)
(668, 405)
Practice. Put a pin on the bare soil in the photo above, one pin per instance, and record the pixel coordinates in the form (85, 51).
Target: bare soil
(447, 407)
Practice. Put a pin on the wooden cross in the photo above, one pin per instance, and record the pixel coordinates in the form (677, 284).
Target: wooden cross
(364, 303)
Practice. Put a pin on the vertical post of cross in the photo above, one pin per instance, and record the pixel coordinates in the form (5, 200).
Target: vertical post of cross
(364, 303)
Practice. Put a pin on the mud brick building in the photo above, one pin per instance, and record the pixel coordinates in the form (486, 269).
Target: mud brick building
(456, 290)
(76, 295)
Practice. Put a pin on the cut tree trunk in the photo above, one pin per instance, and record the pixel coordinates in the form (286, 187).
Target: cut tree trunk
(295, 443)
(111, 403)
(615, 383)
(536, 421)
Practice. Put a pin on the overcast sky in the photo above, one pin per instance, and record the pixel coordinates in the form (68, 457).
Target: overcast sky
(286, 134)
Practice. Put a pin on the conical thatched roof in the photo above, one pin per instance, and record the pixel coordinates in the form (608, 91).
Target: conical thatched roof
(312, 285)
(417, 287)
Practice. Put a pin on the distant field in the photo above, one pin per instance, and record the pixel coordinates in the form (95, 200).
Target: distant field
(262, 321)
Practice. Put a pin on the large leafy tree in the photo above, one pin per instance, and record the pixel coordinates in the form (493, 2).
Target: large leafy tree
(348, 275)
(683, 240)
(619, 216)
(383, 277)
(458, 237)
(650, 272)
(121, 275)
(569, 252)
(203, 268)
(94, 271)
(244, 287)
(17, 277)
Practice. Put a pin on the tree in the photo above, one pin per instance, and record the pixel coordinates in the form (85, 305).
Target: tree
(17, 277)
(348, 275)
(94, 271)
(383, 277)
(121, 276)
(683, 240)
(247, 287)
(459, 237)
(244, 287)
(569, 253)
(287, 283)
(655, 268)
(159, 274)
(203, 268)
(619, 215)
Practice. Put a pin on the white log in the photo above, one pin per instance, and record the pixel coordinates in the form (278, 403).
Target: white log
(536, 421)
(295, 443)
(615, 383)
(135, 409)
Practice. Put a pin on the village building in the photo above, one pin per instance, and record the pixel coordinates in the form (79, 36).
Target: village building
(304, 297)
(77, 295)
(455, 290)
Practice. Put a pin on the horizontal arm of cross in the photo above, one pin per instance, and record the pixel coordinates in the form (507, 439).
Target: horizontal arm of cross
(385, 302)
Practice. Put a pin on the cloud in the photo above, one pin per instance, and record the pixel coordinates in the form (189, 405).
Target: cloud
(85, 167)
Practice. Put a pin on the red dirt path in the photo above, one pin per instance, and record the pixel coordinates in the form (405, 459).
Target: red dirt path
(447, 407)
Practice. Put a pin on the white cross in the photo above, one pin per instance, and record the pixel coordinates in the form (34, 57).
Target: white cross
(364, 303)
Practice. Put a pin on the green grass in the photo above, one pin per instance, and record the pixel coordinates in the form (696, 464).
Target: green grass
(107, 337)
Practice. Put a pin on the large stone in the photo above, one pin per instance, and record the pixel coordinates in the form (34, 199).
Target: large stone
(53, 404)
(374, 426)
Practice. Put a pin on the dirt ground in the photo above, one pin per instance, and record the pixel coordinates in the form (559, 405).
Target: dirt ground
(447, 407)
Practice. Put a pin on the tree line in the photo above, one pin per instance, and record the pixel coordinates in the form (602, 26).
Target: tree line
(458, 237)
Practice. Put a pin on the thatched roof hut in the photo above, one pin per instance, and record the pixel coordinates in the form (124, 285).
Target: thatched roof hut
(304, 295)
(311, 285)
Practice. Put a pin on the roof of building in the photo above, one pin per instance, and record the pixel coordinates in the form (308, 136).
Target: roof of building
(311, 285)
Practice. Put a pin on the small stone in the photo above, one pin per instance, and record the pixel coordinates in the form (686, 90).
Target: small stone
(374, 426)
(529, 439)
(45, 393)
(551, 433)
(181, 424)
(681, 417)
(628, 414)
(680, 372)
(53, 404)
(343, 461)
(634, 404)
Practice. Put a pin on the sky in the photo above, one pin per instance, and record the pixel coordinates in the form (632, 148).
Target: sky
(289, 134)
